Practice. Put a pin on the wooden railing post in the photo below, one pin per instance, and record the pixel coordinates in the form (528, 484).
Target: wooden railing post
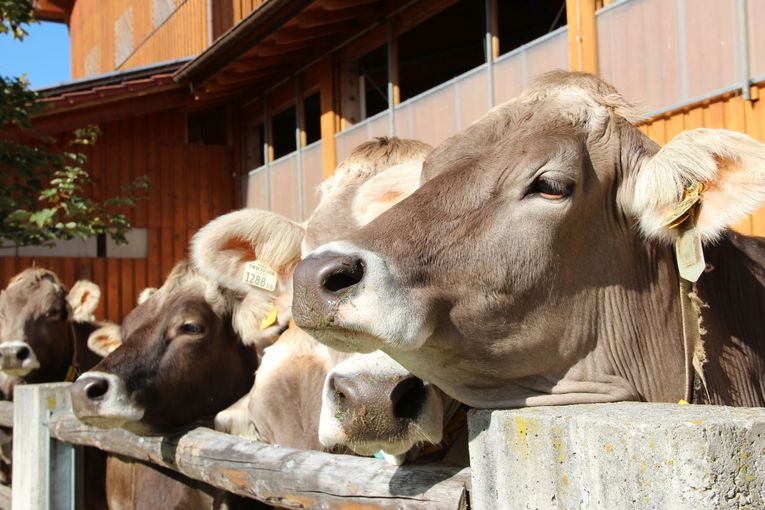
(44, 469)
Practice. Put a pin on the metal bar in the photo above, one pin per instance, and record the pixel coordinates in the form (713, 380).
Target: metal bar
(391, 105)
(743, 47)
(684, 104)
(299, 145)
(489, 52)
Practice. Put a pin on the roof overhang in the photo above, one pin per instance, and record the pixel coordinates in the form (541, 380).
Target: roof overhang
(279, 39)
(53, 10)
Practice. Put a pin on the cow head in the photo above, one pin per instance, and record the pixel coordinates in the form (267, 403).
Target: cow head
(166, 373)
(37, 321)
(533, 266)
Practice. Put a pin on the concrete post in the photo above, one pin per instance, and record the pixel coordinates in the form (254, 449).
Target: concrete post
(623, 455)
(43, 468)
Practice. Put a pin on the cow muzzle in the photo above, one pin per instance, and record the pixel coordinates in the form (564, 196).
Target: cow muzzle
(17, 359)
(102, 400)
(369, 414)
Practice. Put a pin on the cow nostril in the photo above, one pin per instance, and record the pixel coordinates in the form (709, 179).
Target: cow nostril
(96, 389)
(22, 353)
(344, 275)
(408, 397)
(342, 390)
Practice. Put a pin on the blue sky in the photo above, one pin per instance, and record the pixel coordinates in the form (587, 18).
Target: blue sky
(43, 55)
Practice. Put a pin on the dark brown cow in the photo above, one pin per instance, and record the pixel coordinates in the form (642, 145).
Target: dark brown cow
(535, 264)
(167, 372)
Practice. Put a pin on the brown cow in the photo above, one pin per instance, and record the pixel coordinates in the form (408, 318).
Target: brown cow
(285, 403)
(534, 266)
(44, 330)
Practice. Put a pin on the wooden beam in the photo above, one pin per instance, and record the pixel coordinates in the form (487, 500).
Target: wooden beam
(338, 5)
(279, 475)
(318, 17)
(394, 63)
(328, 114)
(294, 35)
(582, 35)
(494, 27)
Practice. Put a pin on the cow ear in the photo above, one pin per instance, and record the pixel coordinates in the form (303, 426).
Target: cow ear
(83, 298)
(146, 294)
(729, 166)
(105, 339)
(223, 247)
(385, 190)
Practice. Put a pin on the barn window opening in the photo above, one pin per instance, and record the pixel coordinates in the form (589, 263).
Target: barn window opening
(283, 126)
(312, 115)
(444, 46)
(207, 127)
(373, 82)
(253, 145)
(523, 21)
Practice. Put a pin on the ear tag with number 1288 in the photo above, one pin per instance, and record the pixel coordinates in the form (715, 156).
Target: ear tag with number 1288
(258, 274)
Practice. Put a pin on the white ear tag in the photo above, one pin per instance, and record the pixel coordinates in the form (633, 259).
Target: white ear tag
(688, 250)
(258, 274)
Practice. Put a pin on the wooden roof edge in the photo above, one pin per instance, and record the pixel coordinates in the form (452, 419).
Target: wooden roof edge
(258, 25)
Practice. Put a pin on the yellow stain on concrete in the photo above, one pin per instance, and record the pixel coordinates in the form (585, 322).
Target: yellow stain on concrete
(608, 448)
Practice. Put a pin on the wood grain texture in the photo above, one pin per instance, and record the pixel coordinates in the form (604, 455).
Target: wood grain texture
(281, 476)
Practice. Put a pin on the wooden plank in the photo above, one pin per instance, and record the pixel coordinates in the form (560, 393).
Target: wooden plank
(139, 166)
(154, 258)
(113, 290)
(100, 279)
(127, 295)
(278, 475)
(192, 167)
(582, 36)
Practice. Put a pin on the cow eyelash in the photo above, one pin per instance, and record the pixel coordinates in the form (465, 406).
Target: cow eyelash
(50, 314)
(551, 189)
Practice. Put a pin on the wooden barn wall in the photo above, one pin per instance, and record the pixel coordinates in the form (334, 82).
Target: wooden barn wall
(189, 185)
(184, 34)
(92, 29)
(725, 112)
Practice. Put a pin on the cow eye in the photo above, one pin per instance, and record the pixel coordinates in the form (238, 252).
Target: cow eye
(54, 313)
(191, 328)
(551, 189)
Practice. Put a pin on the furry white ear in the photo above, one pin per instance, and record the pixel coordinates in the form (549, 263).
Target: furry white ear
(385, 190)
(221, 248)
(105, 339)
(730, 166)
(146, 294)
(83, 298)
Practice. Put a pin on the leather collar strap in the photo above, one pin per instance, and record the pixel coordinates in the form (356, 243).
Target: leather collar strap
(73, 370)
(693, 348)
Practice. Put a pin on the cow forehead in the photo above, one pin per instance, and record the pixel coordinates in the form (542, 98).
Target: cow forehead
(189, 290)
(40, 292)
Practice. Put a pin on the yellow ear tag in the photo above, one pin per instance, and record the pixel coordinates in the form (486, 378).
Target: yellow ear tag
(688, 250)
(678, 214)
(269, 318)
(258, 274)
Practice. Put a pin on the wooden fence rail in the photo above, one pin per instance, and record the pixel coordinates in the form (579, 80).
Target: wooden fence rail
(276, 475)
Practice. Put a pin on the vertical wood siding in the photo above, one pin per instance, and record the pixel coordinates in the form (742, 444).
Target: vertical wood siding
(732, 113)
(189, 185)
